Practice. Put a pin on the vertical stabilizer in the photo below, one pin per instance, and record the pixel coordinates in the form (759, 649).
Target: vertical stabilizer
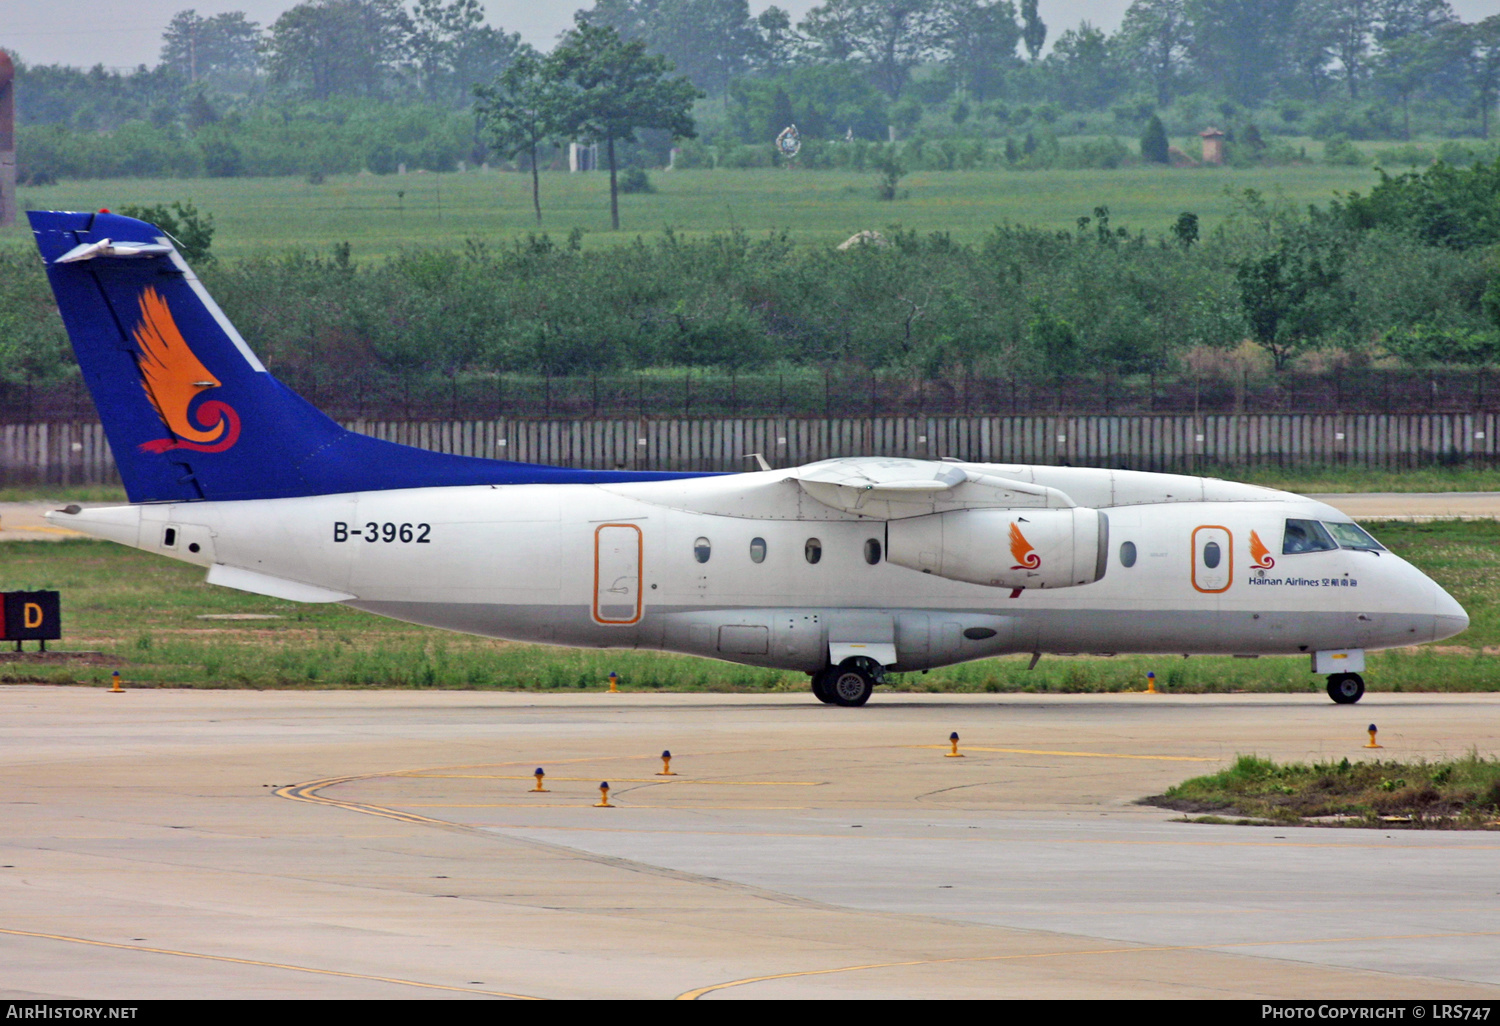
(189, 410)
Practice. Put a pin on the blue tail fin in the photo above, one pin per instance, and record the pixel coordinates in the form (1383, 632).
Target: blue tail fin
(188, 409)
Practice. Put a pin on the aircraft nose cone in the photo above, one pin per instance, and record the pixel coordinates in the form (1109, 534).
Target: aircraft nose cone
(1448, 617)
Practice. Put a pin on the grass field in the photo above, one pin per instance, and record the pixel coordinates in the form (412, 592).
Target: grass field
(144, 615)
(255, 215)
(1459, 793)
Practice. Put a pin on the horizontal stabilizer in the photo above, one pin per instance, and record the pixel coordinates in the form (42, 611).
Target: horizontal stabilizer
(276, 587)
(110, 248)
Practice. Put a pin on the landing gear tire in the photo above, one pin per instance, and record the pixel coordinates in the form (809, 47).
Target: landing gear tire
(820, 686)
(1346, 688)
(849, 686)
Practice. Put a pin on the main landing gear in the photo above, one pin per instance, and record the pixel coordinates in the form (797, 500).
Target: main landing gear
(848, 684)
(1346, 688)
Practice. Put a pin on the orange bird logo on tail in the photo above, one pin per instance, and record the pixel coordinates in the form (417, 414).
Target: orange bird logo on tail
(1260, 554)
(1021, 550)
(173, 377)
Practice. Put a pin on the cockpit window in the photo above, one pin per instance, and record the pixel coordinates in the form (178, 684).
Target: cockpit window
(1307, 536)
(1352, 536)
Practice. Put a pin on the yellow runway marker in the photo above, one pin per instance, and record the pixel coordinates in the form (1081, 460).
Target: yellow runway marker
(264, 965)
(1081, 755)
(693, 995)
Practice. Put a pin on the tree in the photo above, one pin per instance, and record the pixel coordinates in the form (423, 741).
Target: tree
(1421, 48)
(1153, 40)
(1398, 19)
(451, 48)
(1240, 44)
(890, 37)
(1185, 229)
(633, 19)
(830, 100)
(338, 47)
(983, 46)
(1484, 62)
(611, 88)
(710, 41)
(1409, 63)
(1033, 29)
(1351, 27)
(1309, 49)
(198, 48)
(193, 232)
(1289, 295)
(1154, 145)
(1457, 208)
(777, 40)
(521, 113)
(1084, 68)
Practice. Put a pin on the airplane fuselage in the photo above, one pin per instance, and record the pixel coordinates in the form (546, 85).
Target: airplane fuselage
(751, 568)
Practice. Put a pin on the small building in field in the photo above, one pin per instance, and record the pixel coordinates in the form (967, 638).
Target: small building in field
(1213, 147)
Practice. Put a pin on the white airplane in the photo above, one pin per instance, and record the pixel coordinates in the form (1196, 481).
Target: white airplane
(844, 569)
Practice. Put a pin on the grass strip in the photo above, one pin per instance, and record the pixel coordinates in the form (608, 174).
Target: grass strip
(1461, 794)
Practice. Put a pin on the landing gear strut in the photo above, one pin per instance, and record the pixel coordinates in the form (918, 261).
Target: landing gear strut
(1346, 688)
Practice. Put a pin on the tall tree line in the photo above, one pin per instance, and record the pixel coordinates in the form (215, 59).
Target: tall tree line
(850, 67)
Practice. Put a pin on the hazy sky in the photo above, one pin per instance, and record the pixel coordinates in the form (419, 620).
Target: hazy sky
(123, 33)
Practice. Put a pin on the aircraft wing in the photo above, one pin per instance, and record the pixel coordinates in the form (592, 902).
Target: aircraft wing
(888, 489)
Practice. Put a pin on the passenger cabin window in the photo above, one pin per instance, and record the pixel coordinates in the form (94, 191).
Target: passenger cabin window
(872, 552)
(1306, 536)
(702, 550)
(1212, 554)
(1352, 536)
(813, 550)
(757, 550)
(1127, 554)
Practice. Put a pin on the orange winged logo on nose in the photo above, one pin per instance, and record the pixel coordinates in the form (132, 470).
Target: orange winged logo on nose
(1021, 550)
(1260, 554)
(173, 377)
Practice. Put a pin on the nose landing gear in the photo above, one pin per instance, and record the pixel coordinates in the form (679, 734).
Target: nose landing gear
(1346, 688)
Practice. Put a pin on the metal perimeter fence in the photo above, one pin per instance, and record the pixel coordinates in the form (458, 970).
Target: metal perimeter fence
(76, 453)
(842, 393)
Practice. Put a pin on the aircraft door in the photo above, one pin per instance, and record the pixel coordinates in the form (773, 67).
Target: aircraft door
(1213, 559)
(618, 554)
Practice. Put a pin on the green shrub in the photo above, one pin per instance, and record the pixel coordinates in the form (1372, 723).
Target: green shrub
(635, 180)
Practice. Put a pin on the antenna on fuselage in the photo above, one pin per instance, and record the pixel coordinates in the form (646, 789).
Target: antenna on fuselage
(758, 458)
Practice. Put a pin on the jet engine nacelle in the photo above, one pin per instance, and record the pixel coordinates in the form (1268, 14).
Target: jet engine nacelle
(1040, 548)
